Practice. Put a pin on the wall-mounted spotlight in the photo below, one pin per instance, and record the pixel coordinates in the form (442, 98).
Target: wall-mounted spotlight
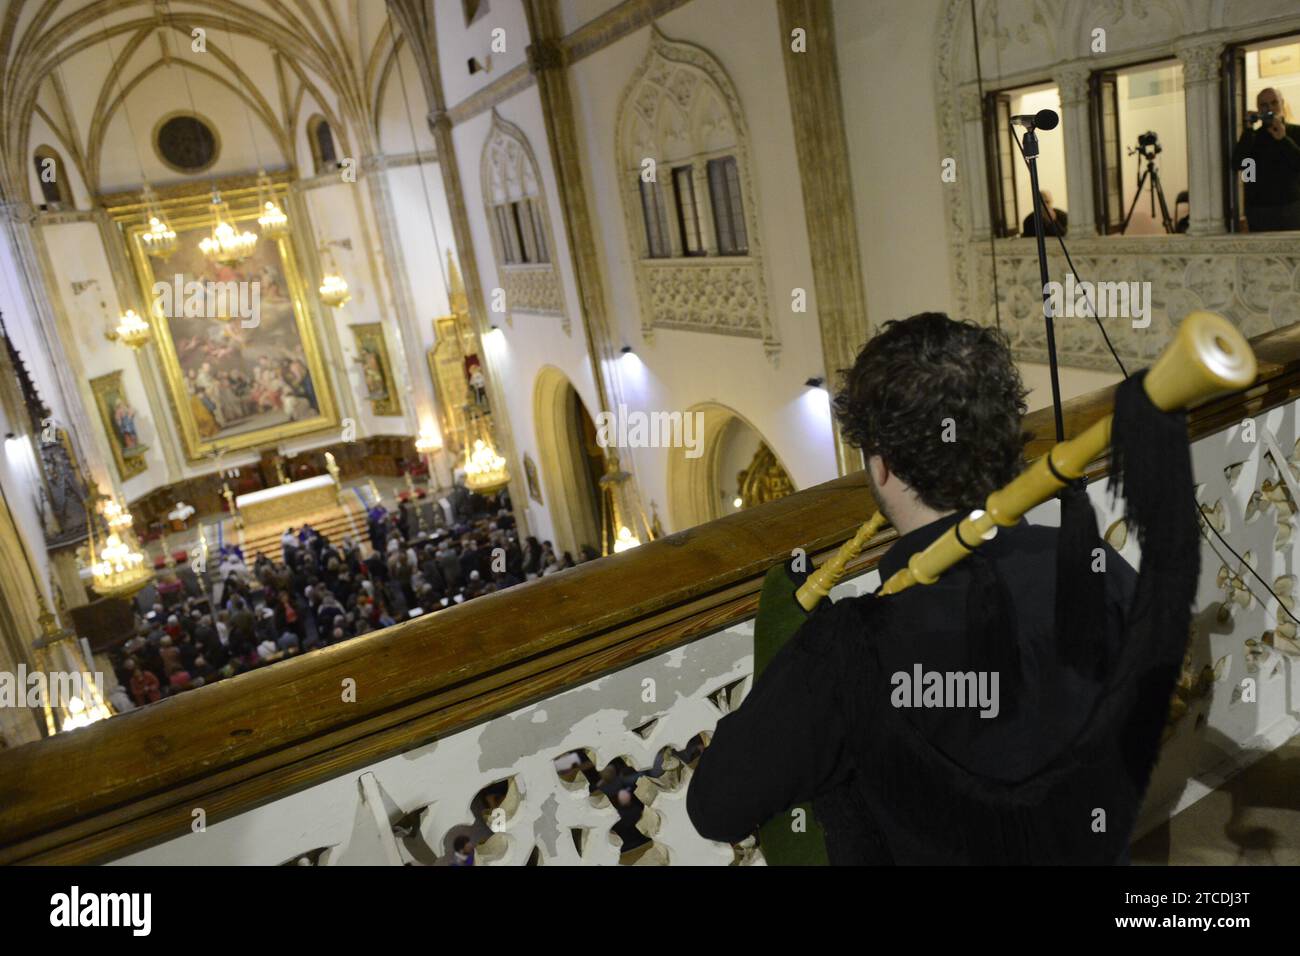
(815, 382)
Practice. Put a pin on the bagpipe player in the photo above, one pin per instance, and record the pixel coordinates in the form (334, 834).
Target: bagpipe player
(1009, 712)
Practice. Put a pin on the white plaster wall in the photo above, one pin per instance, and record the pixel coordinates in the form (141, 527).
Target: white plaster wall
(574, 13)
(18, 468)
(680, 369)
(76, 254)
(527, 342)
(457, 43)
(885, 52)
(423, 240)
(1074, 382)
(342, 211)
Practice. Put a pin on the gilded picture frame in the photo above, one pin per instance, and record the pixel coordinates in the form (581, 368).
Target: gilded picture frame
(274, 369)
(117, 415)
(376, 369)
(447, 369)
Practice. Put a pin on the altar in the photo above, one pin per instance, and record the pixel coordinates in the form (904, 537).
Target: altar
(286, 503)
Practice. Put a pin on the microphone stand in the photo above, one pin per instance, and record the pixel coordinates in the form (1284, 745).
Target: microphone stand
(1030, 146)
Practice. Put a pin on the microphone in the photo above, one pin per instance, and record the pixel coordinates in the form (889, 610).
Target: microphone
(1043, 119)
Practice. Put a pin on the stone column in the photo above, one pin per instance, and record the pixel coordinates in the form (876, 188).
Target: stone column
(830, 215)
(45, 306)
(1201, 83)
(1072, 81)
(973, 174)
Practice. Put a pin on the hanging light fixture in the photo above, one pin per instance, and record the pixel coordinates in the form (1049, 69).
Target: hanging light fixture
(118, 568)
(272, 221)
(485, 469)
(58, 652)
(131, 330)
(226, 245)
(623, 523)
(333, 289)
(159, 238)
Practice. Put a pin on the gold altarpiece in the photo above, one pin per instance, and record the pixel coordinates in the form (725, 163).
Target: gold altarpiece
(276, 366)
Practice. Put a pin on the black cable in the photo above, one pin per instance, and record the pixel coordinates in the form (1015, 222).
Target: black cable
(993, 250)
(1091, 305)
(1206, 522)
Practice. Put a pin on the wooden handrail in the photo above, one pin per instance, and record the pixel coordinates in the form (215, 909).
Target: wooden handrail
(133, 781)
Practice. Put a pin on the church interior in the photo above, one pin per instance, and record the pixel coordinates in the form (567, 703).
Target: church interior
(403, 399)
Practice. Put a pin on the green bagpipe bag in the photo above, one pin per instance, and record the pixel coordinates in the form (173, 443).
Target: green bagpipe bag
(783, 840)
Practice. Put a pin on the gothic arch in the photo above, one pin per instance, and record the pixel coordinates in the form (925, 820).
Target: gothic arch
(519, 222)
(565, 490)
(695, 485)
(680, 106)
(56, 189)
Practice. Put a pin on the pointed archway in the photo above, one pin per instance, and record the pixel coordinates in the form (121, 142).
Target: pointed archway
(571, 461)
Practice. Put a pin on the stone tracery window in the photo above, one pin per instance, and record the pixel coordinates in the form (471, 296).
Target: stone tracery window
(689, 202)
(518, 222)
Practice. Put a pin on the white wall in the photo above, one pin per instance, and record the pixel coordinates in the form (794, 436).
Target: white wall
(1164, 114)
(527, 342)
(680, 369)
(885, 53)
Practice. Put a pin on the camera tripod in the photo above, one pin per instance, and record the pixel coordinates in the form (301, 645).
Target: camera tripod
(1150, 176)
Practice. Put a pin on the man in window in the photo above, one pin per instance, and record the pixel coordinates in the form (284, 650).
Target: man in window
(1048, 759)
(1273, 151)
(1055, 221)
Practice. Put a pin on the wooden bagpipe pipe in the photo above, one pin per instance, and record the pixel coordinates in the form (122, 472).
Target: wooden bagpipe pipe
(1208, 357)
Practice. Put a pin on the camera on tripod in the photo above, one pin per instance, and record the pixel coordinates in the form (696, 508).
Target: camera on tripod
(1264, 118)
(1148, 148)
(1148, 145)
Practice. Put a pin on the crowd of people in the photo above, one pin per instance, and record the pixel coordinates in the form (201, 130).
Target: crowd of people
(317, 592)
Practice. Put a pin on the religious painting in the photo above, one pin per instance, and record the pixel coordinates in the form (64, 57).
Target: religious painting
(237, 342)
(118, 417)
(530, 475)
(376, 369)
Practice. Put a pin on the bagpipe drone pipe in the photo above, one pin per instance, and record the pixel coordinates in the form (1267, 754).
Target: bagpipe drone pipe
(1150, 464)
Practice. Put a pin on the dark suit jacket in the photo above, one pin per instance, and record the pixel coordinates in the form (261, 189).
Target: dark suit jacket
(1062, 222)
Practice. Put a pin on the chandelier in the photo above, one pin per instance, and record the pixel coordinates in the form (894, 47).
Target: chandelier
(272, 221)
(333, 288)
(485, 470)
(160, 238)
(118, 569)
(131, 330)
(59, 652)
(226, 246)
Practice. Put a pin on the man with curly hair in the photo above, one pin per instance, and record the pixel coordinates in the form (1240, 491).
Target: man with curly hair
(983, 694)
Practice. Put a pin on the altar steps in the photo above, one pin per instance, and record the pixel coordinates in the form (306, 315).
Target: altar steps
(333, 522)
